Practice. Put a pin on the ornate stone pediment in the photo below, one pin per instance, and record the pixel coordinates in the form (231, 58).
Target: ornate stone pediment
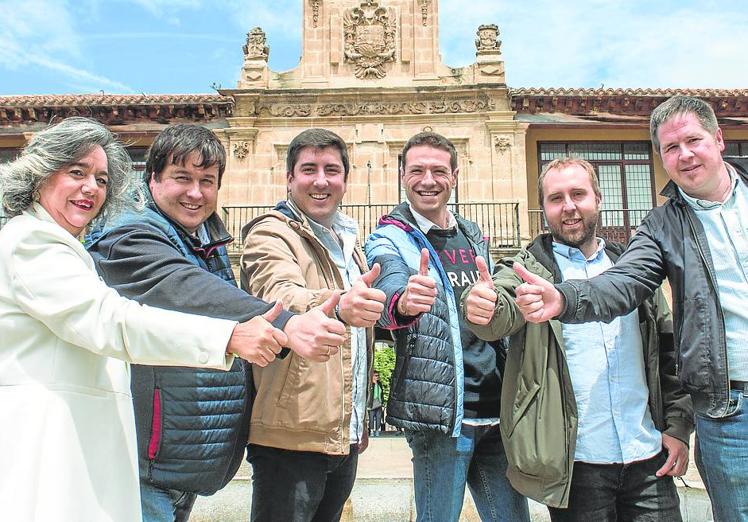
(369, 38)
(256, 48)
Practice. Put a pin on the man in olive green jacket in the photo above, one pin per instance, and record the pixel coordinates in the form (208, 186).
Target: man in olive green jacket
(584, 402)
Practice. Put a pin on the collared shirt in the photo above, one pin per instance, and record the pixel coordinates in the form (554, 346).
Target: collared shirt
(606, 366)
(726, 228)
(341, 252)
(425, 225)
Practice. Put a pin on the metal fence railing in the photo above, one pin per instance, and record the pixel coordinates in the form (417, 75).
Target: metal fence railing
(498, 221)
(614, 225)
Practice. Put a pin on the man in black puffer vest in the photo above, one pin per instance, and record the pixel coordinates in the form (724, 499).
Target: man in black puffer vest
(192, 424)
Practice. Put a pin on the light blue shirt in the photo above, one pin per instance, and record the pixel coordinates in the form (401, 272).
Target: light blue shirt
(606, 365)
(341, 252)
(726, 228)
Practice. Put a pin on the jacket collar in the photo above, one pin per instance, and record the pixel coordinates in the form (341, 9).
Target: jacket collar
(542, 250)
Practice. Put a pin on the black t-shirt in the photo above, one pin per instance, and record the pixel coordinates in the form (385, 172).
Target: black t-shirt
(482, 380)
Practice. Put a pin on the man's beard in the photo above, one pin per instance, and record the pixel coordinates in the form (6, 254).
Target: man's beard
(577, 239)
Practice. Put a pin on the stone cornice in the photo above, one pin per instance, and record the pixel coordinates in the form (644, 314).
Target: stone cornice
(361, 103)
(114, 109)
(629, 102)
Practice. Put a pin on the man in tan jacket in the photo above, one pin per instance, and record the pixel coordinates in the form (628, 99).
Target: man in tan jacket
(308, 419)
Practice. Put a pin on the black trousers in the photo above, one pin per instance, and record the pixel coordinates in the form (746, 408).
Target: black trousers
(620, 492)
(300, 486)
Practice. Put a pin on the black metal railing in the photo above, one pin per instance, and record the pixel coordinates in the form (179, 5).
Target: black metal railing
(614, 225)
(498, 221)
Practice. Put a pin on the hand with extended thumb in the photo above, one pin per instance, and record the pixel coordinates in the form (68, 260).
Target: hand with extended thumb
(257, 340)
(536, 298)
(315, 335)
(480, 303)
(420, 292)
(362, 305)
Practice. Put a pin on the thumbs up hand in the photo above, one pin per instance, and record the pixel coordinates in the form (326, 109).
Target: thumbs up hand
(257, 340)
(362, 305)
(314, 335)
(481, 300)
(536, 298)
(420, 292)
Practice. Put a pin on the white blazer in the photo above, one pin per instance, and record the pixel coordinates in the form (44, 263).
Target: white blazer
(67, 431)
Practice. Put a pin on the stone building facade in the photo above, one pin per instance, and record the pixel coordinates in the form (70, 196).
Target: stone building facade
(371, 71)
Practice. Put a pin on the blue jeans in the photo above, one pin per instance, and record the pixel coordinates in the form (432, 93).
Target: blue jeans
(165, 505)
(442, 465)
(628, 492)
(722, 459)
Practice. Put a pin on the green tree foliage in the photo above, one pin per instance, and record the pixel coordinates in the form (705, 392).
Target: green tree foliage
(384, 363)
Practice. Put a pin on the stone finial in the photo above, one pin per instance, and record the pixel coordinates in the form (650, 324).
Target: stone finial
(256, 48)
(487, 39)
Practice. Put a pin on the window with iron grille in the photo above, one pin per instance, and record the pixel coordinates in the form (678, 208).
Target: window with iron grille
(736, 148)
(624, 171)
(138, 157)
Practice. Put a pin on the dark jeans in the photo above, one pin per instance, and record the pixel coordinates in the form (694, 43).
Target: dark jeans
(620, 492)
(300, 486)
(375, 421)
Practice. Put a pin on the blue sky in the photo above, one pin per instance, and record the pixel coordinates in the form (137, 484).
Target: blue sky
(185, 46)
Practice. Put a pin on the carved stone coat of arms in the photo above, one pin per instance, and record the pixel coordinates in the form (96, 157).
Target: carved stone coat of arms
(369, 38)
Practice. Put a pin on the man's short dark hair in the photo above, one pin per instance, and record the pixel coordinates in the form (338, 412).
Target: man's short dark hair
(435, 140)
(176, 142)
(319, 139)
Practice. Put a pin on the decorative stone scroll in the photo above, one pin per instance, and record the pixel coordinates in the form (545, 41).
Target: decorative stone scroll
(315, 12)
(424, 10)
(436, 106)
(369, 39)
(487, 39)
(256, 48)
(241, 150)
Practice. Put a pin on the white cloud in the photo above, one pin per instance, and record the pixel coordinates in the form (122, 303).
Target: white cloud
(45, 34)
(621, 44)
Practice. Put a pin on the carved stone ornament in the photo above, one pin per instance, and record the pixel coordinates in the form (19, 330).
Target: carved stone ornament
(369, 38)
(256, 48)
(384, 108)
(424, 10)
(315, 12)
(487, 38)
(502, 143)
(241, 150)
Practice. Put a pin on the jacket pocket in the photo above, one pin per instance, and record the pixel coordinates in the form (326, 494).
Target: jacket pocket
(154, 443)
(519, 408)
(291, 382)
(535, 436)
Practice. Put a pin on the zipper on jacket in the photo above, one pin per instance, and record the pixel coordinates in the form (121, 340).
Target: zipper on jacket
(155, 440)
(721, 326)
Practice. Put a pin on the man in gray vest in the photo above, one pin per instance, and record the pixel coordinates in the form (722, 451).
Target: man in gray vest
(192, 425)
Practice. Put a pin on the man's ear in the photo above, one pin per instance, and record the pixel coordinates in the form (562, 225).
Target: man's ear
(455, 173)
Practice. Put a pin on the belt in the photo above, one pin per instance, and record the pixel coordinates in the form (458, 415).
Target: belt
(739, 385)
